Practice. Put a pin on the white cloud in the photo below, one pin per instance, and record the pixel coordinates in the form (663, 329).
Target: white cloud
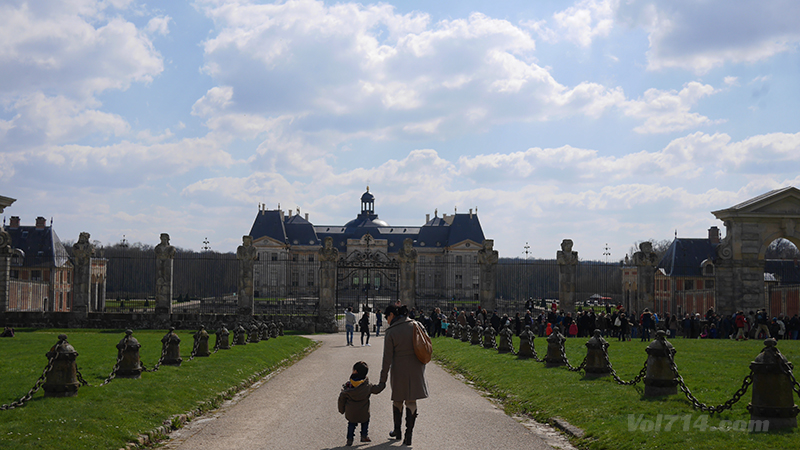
(586, 20)
(699, 36)
(159, 25)
(385, 74)
(71, 47)
(731, 81)
(668, 111)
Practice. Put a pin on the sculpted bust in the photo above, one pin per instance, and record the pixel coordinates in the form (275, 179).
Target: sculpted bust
(164, 250)
(407, 253)
(487, 255)
(83, 249)
(328, 252)
(566, 255)
(246, 251)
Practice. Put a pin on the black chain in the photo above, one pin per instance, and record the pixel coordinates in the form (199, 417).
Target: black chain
(619, 380)
(160, 359)
(570, 367)
(80, 377)
(25, 398)
(113, 373)
(195, 347)
(697, 404)
(787, 369)
(216, 344)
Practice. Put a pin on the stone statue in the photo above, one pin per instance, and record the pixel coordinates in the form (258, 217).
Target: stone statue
(82, 253)
(328, 257)
(164, 256)
(247, 255)
(488, 257)
(407, 257)
(567, 275)
(83, 249)
(645, 260)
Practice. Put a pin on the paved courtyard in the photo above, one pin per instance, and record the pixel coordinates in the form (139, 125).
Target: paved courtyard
(296, 410)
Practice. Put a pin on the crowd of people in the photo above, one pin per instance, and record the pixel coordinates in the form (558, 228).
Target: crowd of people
(617, 322)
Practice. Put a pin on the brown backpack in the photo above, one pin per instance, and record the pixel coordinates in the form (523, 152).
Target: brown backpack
(423, 347)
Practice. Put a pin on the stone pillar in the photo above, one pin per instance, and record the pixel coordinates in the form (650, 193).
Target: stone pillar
(5, 264)
(328, 257)
(645, 262)
(408, 273)
(82, 252)
(488, 257)
(247, 255)
(567, 276)
(165, 254)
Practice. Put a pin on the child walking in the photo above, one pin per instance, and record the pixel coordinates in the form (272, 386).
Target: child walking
(354, 402)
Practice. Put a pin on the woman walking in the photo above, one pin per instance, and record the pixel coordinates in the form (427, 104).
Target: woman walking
(408, 373)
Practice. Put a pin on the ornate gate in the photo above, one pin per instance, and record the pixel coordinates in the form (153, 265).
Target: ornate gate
(365, 279)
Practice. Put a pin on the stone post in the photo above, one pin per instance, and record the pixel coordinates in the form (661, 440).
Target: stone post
(328, 257)
(488, 257)
(247, 255)
(407, 257)
(82, 252)
(645, 262)
(567, 276)
(5, 263)
(165, 254)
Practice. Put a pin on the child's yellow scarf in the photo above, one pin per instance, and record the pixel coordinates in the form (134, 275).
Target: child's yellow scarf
(355, 383)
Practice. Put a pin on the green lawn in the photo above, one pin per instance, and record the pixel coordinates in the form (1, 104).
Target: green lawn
(110, 416)
(614, 416)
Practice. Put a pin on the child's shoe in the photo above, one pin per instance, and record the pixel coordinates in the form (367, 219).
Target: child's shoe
(365, 439)
(349, 443)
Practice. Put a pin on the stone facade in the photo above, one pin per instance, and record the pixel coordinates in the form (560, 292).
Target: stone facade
(750, 228)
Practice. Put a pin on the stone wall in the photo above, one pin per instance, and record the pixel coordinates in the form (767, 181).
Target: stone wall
(122, 321)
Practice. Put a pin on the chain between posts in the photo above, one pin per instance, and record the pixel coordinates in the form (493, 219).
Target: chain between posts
(619, 380)
(570, 367)
(216, 345)
(25, 398)
(160, 359)
(194, 349)
(697, 404)
(113, 373)
(787, 369)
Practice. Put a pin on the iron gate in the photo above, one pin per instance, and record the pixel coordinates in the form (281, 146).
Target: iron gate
(365, 279)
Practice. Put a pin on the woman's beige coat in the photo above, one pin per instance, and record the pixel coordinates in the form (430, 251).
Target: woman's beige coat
(408, 374)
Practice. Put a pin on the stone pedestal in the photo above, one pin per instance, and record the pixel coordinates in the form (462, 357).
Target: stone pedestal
(165, 254)
(5, 263)
(408, 274)
(660, 379)
(488, 257)
(82, 253)
(645, 261)
(247, 255)
(567, 276)
(328, 257)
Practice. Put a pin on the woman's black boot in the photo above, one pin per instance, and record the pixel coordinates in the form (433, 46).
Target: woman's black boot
(411, 419)
(398, 422)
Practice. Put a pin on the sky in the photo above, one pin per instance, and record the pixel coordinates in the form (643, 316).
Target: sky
(607, 122)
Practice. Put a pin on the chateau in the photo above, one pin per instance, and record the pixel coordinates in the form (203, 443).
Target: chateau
(288, 248)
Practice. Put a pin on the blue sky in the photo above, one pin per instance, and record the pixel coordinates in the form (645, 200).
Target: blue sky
(603, 121)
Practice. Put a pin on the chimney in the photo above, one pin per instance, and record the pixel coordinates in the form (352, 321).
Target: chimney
(713, 235)
(306, 217)
(41, 222)
(290, 213)
(14, 223)
(427, 218)
(470, 213)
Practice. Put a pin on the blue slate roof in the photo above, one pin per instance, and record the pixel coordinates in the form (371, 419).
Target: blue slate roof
(684, 256)
(42, 247)
(437, 233)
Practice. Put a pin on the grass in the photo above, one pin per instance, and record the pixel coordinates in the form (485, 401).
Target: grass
(712, 369)
(108, 417)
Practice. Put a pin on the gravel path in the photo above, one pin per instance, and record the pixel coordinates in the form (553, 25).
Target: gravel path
(296, 410)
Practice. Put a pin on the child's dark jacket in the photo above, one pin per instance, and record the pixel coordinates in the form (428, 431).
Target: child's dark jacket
(354, 401)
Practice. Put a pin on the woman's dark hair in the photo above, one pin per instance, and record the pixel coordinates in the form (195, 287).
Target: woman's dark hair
(401, 310)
